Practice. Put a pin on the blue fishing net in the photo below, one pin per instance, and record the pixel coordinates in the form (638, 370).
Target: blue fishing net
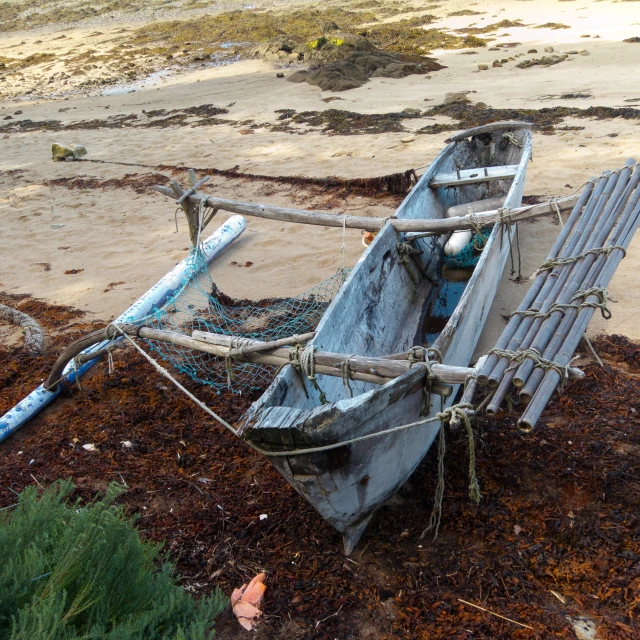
(199, 305)
(470, 254)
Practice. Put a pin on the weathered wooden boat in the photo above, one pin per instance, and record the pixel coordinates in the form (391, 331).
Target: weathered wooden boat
(379, 311)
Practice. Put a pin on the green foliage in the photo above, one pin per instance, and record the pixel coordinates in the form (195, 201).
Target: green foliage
(71, 571)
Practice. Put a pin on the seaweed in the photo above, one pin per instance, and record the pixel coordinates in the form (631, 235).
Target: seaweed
(503, 24)
(465, 12)
(347, 123)
(409, 36)
(552, 25)
(248, 27)
(544, 120)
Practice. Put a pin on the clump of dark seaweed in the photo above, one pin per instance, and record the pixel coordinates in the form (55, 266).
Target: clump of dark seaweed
(503, 24)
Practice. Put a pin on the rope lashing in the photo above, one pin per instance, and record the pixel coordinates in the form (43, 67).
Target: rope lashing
(600, 293)
(405, 250)
(425, 358)
(304, 363)
(539, 362)
(385, 220)
(556, 262)
(511, 138)
(344, 369)
(458, 411)
(553, 202)
(237, 343)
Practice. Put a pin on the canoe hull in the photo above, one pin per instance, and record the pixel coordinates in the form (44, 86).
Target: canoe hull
(378, 311)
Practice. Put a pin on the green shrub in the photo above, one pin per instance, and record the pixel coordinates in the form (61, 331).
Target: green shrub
(71, 571)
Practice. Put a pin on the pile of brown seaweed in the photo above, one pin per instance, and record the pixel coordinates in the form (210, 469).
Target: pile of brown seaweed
(556, 536)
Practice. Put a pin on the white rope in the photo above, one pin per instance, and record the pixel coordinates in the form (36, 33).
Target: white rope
(344, 234)
(553, 202)
(161, 370)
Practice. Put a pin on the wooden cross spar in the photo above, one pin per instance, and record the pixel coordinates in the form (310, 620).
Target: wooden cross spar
(378, 370)
(436, 227)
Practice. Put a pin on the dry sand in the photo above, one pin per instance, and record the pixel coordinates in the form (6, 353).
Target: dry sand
(121, 241)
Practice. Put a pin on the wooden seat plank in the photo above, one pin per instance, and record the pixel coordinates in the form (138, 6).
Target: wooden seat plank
(464, 177)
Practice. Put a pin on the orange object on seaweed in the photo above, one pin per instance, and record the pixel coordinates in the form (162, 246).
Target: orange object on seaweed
(246, 602)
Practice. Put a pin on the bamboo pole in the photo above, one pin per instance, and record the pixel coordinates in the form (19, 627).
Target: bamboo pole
(598, 217)
(585, 274)
(531, 378)
(576, 242)
(544, 392)
(436, 226)
(565, 288)
(515, 320)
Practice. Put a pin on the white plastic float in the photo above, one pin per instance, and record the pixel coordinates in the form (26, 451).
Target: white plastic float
(165, 288)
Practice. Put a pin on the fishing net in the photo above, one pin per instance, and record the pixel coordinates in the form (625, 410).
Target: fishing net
(199, 305)
(470, 254)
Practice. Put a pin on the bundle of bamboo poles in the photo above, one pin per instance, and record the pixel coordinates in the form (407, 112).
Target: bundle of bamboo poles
(536, 346)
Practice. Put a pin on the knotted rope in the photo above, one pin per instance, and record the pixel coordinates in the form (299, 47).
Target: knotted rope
(600, 293)
(405, 250)
(556, 262)
(304, 363)
(511, 138)
(425, 359)
(533, 354)
(344, 369)
(457, 411)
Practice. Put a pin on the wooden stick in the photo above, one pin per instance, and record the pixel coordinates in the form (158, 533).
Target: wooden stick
(191, 190)
(178, 192)
(497, 615)
(436, 226)
(247, 346)
(384, 367)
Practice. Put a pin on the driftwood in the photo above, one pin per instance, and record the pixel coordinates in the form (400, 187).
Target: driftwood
(436, 226)
(33, 333)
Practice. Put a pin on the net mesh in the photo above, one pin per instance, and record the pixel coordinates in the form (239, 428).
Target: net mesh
(199, 305)
(470, 254)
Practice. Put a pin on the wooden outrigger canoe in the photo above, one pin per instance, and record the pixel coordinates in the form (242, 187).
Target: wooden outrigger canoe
(379, 311)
